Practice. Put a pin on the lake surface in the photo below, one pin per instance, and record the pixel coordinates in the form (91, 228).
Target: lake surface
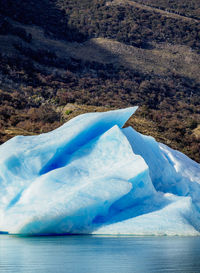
(93, 254)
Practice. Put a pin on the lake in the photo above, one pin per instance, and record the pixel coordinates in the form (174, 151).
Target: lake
(99, 254)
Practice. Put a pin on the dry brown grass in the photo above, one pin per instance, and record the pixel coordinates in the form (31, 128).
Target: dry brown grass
(196, 132)
(162, 59)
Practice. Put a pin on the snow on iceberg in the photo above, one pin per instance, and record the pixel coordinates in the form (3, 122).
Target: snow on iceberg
(91, 176)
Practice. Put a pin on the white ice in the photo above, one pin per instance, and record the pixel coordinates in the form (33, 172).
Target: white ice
(91, 176)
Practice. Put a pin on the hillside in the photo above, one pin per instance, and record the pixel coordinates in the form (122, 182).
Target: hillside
(188, 8)
(93, 54)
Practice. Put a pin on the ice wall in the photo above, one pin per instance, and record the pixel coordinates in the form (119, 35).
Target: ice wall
(92, 176)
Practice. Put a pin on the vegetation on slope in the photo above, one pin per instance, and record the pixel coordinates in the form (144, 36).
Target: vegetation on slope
(99, 53)
(188, 8)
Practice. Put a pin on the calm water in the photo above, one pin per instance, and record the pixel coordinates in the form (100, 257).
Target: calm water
(90, 254)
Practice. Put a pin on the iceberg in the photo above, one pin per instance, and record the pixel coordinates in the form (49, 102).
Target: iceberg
(92, 176)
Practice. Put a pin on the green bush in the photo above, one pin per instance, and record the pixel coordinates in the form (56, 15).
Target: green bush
(67, 112)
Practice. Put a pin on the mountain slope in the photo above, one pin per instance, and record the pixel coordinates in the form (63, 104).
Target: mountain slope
(101, 53)
(188, 8)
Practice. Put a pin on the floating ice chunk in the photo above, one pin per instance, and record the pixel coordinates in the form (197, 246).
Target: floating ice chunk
(91, 176)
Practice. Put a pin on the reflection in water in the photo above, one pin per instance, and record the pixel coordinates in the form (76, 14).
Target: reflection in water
(92, 254)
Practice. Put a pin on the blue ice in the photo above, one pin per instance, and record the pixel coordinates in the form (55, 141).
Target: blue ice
(91, 176)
